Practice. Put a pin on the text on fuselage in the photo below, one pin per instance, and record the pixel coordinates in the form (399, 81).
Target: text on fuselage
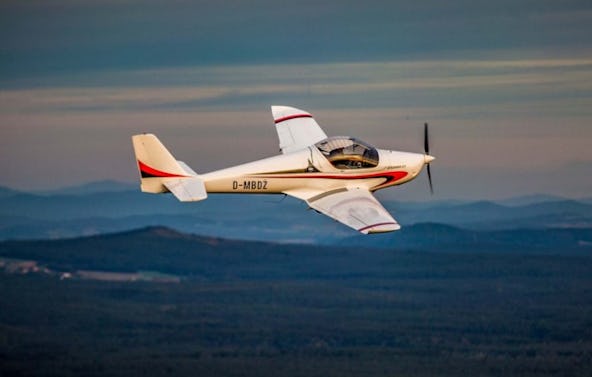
(251, 184)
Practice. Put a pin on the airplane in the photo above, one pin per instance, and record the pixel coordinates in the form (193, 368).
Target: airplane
(335, 176)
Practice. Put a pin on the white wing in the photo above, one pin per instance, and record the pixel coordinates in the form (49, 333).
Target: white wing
(356, 208)
(296, 128)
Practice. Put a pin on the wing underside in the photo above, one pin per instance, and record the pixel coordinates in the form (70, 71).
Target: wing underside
(356, 208)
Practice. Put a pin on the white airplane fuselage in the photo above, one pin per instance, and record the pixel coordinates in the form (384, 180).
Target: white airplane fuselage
(309, 169)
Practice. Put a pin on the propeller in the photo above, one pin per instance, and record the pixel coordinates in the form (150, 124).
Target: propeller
(428, 158)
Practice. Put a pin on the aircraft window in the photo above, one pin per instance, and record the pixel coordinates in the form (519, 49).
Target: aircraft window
(348, 153)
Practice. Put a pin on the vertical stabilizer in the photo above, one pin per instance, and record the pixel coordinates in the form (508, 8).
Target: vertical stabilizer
(161, 172)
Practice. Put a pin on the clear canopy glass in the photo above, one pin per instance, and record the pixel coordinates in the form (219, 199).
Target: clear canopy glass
(348, 153)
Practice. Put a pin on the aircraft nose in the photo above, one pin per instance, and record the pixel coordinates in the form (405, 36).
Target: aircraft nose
(427, 158)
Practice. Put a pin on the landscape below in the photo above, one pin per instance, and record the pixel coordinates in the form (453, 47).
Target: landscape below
(158, 302)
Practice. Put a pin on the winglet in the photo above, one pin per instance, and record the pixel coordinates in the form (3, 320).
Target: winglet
(285, 113)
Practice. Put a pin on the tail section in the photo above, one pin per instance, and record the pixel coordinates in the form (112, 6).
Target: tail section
(160, 172)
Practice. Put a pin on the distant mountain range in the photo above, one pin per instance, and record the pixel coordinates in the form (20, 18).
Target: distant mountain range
(108, 206)
(91, 188)
(166, 251)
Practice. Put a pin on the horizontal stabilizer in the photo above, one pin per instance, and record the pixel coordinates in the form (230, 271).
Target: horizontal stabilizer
(191, 189)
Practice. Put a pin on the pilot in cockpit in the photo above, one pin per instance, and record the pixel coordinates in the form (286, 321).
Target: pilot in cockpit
(348, 153)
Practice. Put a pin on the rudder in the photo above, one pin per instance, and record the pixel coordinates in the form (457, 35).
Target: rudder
(160, 172)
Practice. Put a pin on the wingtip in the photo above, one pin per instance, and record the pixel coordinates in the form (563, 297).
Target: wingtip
(380, 228)
(281, 110)
(278, 108)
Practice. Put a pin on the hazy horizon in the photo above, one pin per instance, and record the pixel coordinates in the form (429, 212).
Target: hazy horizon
(506, 87)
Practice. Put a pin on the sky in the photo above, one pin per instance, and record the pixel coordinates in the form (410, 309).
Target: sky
(506, 87)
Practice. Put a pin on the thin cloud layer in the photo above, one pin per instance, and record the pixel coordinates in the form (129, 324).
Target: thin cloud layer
(439, 83)
(42, 38)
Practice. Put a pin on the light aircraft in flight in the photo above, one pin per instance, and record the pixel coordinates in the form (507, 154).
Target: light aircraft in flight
(333, 175)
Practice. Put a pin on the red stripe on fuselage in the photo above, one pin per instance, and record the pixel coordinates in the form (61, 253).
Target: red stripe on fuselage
(390, 176)
(157, 173)
(280, 120)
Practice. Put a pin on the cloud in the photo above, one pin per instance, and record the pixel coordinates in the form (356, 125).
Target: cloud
(487, 88)
(109, 99)
(40, 38)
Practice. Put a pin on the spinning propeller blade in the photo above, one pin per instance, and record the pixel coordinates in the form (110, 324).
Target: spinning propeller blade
(428, 158)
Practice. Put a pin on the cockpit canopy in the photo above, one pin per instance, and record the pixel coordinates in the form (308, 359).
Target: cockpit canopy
(348, 153)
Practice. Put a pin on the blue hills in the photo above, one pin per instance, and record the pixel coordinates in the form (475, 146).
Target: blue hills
(169, 251)
(107, 207)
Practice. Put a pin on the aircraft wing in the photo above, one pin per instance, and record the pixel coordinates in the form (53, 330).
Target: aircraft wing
(356, 208)
(296, 128)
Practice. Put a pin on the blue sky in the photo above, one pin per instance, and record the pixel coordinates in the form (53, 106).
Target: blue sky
(506, 86)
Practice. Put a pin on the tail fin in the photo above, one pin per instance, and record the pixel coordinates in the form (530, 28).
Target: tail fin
(161, 172)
